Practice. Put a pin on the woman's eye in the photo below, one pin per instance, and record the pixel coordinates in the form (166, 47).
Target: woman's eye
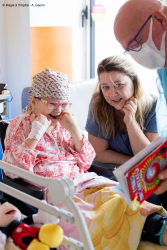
(119, 85)
(105, 87)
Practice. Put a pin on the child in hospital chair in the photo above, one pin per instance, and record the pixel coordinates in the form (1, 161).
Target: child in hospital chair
(47, 141)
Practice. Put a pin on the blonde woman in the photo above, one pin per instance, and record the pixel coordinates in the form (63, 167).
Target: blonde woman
(122, 116)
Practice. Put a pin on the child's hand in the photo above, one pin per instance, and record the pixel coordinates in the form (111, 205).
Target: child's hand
(68, 121)
(40, 123)
(41, 119)
(130, 109)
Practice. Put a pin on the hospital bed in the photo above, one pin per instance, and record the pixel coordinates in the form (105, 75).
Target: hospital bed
(64, 195)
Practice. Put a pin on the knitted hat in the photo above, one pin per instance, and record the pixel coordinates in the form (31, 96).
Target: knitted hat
(48, 83)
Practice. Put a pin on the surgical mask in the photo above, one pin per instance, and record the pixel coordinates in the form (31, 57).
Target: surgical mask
(149, 56)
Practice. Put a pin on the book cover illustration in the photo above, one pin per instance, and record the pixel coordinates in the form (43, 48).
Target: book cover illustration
(142, 179)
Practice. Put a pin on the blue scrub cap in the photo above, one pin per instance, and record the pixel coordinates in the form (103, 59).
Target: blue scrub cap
(161, 108)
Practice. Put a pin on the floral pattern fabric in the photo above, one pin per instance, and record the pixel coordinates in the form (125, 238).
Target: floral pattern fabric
(54, 154)
(112, 224)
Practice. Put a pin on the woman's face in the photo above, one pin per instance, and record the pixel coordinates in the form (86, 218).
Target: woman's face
(117, 88)
(42, 108)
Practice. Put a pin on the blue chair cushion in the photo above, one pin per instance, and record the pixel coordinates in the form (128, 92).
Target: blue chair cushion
(24, 97)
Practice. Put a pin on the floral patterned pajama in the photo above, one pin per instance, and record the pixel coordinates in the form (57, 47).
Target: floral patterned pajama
(54, 154)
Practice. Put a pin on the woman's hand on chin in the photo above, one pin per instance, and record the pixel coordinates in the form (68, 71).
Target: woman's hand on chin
(130, 109)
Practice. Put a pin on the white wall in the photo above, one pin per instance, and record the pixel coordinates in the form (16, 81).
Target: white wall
(51, 13)
(17, 52)
(79, 41)
(106, 44)
(2, 45)
(15, 25)
(65, 13)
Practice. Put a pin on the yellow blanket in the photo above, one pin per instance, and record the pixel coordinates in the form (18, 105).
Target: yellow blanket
(112, 224)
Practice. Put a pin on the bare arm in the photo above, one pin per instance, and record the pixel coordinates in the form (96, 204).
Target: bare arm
(163, 185)
(105, 155)
(77, 137)
(69, 122)
(138, 139)
(31, 143)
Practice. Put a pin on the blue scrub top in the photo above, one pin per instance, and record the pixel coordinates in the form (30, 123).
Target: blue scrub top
(120, 143)
(161, 110)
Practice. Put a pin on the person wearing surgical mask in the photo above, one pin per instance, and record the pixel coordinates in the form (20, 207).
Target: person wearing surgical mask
(140, 27)
(148, 55)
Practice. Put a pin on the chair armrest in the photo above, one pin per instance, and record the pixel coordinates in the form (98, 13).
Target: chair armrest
(24, 186)
(103, 169)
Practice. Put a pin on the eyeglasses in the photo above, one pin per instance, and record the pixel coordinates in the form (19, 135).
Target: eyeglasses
(54, 105)
(135, 45)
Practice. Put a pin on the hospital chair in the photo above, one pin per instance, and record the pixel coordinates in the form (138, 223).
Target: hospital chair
(18, 183)
(65, 187)
(80, 95)
(28, 188)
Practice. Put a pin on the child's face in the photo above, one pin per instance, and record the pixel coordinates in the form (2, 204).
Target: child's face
(43, 108)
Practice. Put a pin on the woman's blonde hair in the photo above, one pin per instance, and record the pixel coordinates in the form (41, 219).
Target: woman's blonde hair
(106, 115)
